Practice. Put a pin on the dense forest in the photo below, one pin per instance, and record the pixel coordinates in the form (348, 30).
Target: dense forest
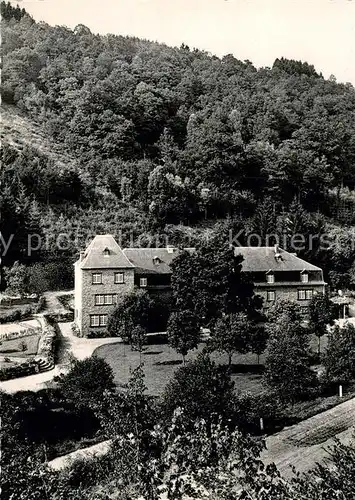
(171, 141)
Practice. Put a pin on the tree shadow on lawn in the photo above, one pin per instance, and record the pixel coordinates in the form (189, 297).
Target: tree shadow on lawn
(149, 353)
(171, 362)
(9, 351)
(246, 368)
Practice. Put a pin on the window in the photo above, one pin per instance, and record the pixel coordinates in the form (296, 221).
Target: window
(107, 299)
(270, 296)
(143, 282)
(94, 320)
(98, 320)
(305, 294)
(99, 300)
(270, 278)
(106, 252)
(103, 319)
(304, 277)
(119, 278)
(97, 278)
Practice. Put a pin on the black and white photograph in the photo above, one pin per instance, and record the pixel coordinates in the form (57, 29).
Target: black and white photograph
(177, 248)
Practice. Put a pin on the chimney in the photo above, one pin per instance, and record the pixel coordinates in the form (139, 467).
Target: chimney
(170, 249)
(82, 256)
(276, 248)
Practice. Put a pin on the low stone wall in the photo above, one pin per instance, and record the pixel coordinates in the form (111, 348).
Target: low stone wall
(46, 345)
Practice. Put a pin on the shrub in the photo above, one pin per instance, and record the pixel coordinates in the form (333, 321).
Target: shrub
(75, 329)
(19, 370)
(202, 389)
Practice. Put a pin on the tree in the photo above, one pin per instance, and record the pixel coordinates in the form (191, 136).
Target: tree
(321, 316)
(285, 308)
(138, 340)
(183, 332)
(210, 282)
(339, 359)
(16, 279)
(258, 339)
(202, 388)
(287, 365)
(231, 334)
(86, 382)
(131, 310)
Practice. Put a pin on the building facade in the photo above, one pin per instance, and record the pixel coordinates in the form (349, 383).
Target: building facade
(281, 275)
(105, 272)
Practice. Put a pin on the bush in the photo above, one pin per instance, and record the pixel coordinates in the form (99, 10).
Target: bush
(41, 304)
(75, 329)
(99, 334)
(22, 313)
(202, 389)
(16, 315)
(19, 370)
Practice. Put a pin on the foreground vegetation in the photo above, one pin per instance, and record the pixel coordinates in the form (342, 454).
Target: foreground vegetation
(195, 438)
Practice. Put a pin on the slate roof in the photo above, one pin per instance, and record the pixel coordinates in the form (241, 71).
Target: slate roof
(152, 260)
(95, 258)
(258, 259)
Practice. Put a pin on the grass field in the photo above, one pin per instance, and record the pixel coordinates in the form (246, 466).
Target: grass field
(13, 350)
(161, 361)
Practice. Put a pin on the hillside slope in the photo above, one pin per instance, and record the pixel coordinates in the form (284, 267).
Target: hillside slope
(20, 131)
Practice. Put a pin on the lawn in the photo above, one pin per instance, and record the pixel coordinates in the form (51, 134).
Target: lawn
(161, 361)
(12, 349)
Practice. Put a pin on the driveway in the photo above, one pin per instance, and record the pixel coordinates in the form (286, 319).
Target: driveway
(69, 345)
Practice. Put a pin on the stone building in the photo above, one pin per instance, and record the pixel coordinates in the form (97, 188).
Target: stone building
(105, 272)
(278, 274)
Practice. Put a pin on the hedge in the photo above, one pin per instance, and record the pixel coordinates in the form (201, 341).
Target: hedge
(26, 312)
(20, 370)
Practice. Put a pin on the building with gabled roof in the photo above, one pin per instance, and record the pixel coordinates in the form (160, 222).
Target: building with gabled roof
(105, 272)
(278, 274)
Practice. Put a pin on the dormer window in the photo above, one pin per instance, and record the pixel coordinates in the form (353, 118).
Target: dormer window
(270, 277)
(304, 277)
(106, 252)
(156, 260)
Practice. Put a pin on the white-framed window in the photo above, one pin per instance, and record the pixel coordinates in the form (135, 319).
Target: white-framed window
(107, 299)
(270, 296)
(305, 294)
(270, 278)
(304, 277)
(143, 282)
(301, 294)
(98, 320)
(103, 319)
(99, 300)
(119, 278)
(94, 320)
(96, 278)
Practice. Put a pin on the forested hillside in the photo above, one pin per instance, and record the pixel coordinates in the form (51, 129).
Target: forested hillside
(169, 140)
